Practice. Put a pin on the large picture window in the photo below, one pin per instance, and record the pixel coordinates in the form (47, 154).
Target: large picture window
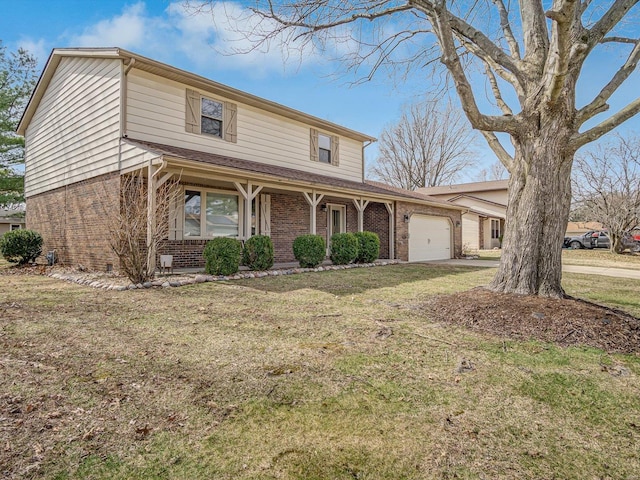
(210, 214)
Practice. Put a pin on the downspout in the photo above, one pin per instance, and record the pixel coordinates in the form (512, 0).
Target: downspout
(123, 108)
(364, 145)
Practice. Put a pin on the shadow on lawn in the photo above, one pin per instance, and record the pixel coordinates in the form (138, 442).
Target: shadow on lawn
(358, 280)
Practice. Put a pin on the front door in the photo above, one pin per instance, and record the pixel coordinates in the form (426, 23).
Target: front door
(337, 222)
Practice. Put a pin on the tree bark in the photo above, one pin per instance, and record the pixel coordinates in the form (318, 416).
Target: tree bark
(537, 212)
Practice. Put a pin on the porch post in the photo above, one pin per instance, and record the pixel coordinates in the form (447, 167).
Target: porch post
(392, 234)
(151, 217)
(248, 195)
(360, 206)
(313, 200)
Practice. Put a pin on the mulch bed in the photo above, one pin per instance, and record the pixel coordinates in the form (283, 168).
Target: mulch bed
(565, 322)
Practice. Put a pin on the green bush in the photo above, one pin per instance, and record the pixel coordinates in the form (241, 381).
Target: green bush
(222, 256)
(21, 246)
(309, 250)
(344, 248)
(368, 247)
(258, 253)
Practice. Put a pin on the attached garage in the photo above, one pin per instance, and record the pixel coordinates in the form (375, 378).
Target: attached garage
(429, 238)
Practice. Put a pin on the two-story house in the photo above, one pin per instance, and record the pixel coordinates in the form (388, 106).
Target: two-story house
(246, 165)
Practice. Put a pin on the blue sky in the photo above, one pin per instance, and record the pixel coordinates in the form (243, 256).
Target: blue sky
(162, 30)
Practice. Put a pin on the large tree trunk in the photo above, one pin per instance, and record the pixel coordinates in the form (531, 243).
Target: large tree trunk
(537, 213)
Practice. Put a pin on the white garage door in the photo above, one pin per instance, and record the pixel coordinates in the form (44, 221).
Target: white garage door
(429, 238)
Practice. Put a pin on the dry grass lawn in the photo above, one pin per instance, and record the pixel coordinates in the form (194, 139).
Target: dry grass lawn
(590, 258)
(332, 375)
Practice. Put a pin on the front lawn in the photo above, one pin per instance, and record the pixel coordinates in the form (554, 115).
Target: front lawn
(592, 258)
(332, 375)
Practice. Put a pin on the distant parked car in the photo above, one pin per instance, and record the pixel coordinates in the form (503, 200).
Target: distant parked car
(599, 239)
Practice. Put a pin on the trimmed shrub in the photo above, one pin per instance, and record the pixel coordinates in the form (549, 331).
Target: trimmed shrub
(222, 256)
(344, 248)
(21, 246)
(368, 247)
(309, 250)
(258, 253)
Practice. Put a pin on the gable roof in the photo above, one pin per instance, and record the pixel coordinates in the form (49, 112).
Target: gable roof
(133, 60)
(467, 187)
(300, 177)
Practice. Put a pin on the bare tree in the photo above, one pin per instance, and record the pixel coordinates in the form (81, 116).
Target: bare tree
(429, 146)
(496, 171)
(135, 235)
(531, 59)
(606, 187)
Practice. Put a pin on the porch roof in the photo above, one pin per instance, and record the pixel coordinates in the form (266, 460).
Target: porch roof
(291, 175)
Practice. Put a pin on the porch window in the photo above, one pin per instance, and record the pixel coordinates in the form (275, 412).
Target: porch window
(210, 214)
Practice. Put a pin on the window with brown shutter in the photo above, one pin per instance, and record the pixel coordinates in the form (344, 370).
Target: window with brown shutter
(324, 148)
(208, 116)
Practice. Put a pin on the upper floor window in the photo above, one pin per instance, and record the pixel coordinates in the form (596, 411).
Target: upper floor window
(324, 148)
(211, 117)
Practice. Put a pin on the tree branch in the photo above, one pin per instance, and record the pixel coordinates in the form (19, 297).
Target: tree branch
(496, 90)
(610, 19)
(599, 103)
(534, 30)
(606, 126)
(514, 48)
(439, 17)
(557, 65)
(498, 149)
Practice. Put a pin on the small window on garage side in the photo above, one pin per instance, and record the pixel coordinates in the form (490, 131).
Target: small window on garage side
(495, 228)
(15, 226)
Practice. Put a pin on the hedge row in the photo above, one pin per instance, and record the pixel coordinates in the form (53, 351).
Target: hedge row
(223, 255)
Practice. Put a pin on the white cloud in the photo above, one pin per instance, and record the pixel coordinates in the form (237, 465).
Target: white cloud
(126, 30)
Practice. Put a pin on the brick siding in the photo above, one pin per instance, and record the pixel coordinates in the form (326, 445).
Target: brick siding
(72, 221)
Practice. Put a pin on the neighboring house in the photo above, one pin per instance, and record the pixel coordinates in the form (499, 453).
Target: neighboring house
(483, 222)
(576, 228)
(11, 219)
(246, 165)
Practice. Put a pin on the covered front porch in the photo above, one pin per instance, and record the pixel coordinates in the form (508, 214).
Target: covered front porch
(219, 201)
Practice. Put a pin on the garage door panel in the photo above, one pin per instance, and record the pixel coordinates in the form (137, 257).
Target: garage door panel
(429, 238)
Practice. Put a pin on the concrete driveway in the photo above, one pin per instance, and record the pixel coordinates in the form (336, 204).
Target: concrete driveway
(606, 271)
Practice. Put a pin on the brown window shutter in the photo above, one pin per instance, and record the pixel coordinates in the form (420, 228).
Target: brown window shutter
(314, 145)
(335, 150)
(192, 112)
(231, 122)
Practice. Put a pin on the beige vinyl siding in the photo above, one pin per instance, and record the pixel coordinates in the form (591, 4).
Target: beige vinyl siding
(156, 112)
(75, 131)
(132, 156)
(471, 231)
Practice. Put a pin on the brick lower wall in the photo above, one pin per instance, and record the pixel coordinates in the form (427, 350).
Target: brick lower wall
(402, 227)
(376, 220)
(290, 219)
(72, 221)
